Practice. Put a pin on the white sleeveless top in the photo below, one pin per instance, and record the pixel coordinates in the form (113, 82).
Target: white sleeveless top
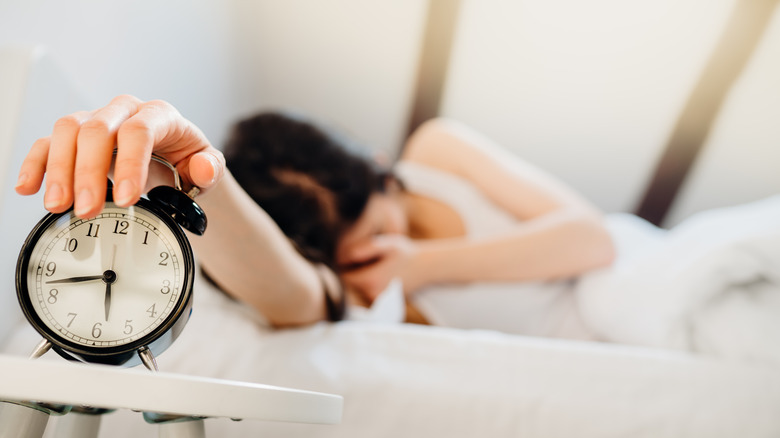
(545, 309)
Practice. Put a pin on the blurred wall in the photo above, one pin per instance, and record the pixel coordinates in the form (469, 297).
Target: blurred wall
(176, 50)
(590, 90)
(347, 61)
(350, 62)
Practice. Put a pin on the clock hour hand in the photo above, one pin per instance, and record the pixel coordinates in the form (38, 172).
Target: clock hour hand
(76, 279)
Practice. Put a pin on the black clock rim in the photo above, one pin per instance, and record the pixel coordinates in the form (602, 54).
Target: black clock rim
(181, 306)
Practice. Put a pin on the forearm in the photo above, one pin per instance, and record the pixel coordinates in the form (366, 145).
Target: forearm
(246, 253)
(557, 245)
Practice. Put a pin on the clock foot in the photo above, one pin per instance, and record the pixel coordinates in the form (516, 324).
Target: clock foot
(148, 359)
(40, 349)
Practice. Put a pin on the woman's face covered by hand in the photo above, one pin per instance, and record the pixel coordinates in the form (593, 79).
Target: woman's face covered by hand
(375, 249)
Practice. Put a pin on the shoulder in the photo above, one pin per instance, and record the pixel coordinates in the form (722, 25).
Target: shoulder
(454, 147)
(435, 144)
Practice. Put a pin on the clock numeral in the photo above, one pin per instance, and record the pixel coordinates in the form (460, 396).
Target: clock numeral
(71, 244)
(52, 296)
(164, 261)
(151, 311)
(90, 230)
(120, 227)
(72, 317)
(146, 237)
(50, 268)
(128, 327)
(96, 331)
(166, 289)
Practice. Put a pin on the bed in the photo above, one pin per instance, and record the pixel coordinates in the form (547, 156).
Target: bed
(422, 381)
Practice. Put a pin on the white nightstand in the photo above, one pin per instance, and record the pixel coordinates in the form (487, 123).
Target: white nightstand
(75, 384)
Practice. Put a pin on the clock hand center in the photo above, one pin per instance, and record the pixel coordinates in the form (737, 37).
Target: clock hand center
(108, 277)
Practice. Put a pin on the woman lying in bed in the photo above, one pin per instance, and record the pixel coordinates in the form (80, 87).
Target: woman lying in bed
(307, 215)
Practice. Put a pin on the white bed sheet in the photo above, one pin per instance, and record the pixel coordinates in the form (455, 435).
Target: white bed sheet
(418, 381)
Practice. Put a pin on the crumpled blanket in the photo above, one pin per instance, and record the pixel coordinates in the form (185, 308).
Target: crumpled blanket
(711, 284)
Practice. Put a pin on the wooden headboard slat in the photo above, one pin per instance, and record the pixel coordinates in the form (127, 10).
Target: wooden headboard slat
(749, 19)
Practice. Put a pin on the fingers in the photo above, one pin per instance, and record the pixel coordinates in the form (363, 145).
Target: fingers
(77, 157)
(33, 168)
(359, 255)
(158, 126)
(96, 140)
(371, 280)
(370, 249)
(135, 142)
(61, 161)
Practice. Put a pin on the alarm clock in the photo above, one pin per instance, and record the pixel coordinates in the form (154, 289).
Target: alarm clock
(116, 288)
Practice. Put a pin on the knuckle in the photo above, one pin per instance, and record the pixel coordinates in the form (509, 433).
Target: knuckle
(131, 163)
(69, 122)
(41, 144)
(137, 127)
(58, 165)
(89, 168)
(95, 127)
(126, 98)
(159, 105)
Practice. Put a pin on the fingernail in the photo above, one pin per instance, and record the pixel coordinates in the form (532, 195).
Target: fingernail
(124, 192)
(22, 179)
(53, 197)
(84, 202)
(215, 166)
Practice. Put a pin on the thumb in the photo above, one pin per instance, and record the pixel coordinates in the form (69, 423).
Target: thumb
(206, 168)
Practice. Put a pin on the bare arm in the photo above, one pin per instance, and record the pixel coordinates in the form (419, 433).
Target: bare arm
(247, 254)
(560, 233)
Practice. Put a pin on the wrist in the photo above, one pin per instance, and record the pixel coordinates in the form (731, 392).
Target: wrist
(421, 268)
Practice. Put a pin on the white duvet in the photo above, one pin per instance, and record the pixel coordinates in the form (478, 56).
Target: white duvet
(709, 285)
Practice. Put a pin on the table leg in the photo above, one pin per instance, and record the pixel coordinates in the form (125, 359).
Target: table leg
(78, 425)
(17, 421)
(182, 429)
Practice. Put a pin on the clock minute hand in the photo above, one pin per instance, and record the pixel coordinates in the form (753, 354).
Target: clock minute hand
(107, 301)
(109, 277)
(76, 279)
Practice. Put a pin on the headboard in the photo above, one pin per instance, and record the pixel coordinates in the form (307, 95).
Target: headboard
(745, 29)
(34, 92)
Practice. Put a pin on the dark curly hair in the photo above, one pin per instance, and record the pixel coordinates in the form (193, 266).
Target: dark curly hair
(313, 181)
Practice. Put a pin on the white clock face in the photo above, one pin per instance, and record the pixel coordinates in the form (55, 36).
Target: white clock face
(106, 281)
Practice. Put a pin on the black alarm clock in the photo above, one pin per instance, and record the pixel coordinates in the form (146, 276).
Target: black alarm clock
(116, 288)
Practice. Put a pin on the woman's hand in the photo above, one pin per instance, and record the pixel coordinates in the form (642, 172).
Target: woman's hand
(372, 265)
(77, 156)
